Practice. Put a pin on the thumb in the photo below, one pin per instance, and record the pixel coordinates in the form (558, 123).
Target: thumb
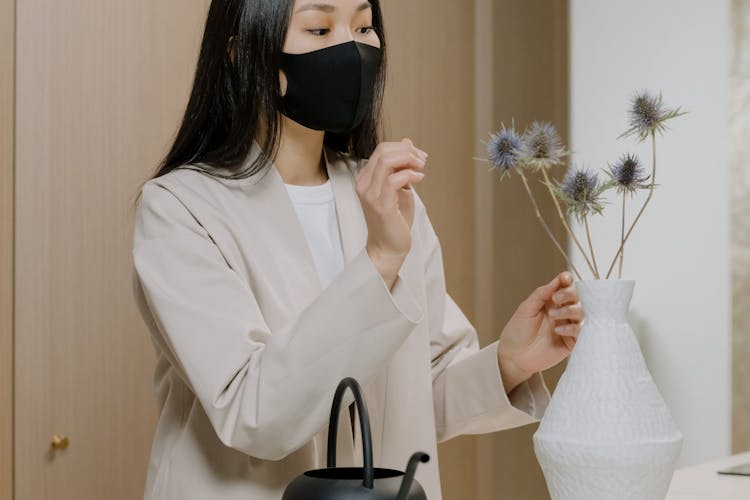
(542, 294)
(406, 204)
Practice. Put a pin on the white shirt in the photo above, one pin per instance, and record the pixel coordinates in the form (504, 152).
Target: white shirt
(317, 213)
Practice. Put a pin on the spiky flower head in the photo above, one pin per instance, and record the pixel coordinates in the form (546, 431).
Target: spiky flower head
(627, 174)
(647, 115)
(581, 192)
(542, 146)
(505, 150)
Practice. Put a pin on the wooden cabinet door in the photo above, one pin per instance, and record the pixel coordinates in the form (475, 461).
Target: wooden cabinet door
(100, 88)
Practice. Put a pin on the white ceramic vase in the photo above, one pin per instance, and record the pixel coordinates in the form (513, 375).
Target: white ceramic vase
(607, 433)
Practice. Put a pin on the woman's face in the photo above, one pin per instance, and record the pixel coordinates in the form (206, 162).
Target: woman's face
(317, 24)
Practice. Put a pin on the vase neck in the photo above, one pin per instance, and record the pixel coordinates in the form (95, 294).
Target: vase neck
(608, 299)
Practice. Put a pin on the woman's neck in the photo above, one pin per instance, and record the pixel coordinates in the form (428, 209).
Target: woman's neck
(299, 159)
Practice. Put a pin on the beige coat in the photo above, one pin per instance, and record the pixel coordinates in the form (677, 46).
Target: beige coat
(250, 349)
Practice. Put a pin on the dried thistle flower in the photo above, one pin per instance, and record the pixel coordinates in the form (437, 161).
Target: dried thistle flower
(505, 150)
(647, 115)
(581, 192)
(627, 174)
(542, 146)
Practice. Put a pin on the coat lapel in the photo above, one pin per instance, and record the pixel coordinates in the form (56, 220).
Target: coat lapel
(292, 252)
(352, 226)
(353, 232)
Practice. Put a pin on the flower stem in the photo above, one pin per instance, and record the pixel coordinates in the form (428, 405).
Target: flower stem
(564, 220)
(651, 192)
(591, 247)
(544, 224)
(622, 236)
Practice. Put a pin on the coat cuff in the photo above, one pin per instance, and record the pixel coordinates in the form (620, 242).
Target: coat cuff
(530, 396)
(400, 295)
(478, 402)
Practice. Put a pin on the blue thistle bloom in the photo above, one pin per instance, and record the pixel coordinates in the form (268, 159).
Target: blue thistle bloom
(505, 150)
(627, 174)
(542, 146)
(648, 115)
(581, 192)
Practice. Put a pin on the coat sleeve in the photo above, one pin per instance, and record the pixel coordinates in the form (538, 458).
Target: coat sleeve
(266, 393)
(468, 392)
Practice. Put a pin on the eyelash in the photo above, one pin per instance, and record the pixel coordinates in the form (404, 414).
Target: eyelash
(326, 30)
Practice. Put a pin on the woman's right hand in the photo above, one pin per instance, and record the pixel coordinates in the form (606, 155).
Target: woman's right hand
(383, 187)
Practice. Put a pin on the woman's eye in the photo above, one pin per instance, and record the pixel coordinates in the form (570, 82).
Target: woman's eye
(322, 31)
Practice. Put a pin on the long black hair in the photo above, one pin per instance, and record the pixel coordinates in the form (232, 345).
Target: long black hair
(232, 95)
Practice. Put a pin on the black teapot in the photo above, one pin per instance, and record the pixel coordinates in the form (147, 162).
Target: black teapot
(356, 483)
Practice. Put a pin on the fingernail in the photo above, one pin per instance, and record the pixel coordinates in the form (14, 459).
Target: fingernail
(423, 153)
(558, 297)
(419, 174)
(554, 312)
(560, 329)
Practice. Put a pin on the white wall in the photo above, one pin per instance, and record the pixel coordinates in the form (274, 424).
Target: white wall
(679, 251)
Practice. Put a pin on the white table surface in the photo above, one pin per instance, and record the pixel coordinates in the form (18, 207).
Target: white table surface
(702, 482)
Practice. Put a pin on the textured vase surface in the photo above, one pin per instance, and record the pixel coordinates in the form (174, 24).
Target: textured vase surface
(607, 433)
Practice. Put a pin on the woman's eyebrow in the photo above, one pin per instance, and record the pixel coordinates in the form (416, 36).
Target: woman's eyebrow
(327, 7)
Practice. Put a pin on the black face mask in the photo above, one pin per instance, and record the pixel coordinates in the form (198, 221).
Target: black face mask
(331, 88)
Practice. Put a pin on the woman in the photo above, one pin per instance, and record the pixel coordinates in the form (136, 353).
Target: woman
(281, 247)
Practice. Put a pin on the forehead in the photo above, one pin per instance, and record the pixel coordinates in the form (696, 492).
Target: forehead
(330, 5)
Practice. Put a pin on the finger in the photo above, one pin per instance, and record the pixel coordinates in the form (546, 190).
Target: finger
(394, 161)
(390, 163)
(568, 329)
(566, 278)
(570, 342)
(567, 295)
(365, 174)
(419, 152)
(406, 203)
(397, 181)
(540, 296)
(572, 312)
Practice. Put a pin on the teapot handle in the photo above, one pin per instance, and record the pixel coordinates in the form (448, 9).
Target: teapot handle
(364, 420)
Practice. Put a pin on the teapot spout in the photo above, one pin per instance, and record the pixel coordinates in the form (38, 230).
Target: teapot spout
(403, 492)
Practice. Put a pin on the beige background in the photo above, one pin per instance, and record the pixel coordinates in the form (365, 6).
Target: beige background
(739, 152)
(7, 48)
(529, 75)
(99, 87)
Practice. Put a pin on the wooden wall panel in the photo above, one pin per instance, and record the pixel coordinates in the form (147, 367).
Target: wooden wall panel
(739, 128)
(430, 99)
(456, 70)
(102, 85)
(7, 87)
(529, 75)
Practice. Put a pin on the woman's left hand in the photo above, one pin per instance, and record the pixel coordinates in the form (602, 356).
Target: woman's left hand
(542, 332)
